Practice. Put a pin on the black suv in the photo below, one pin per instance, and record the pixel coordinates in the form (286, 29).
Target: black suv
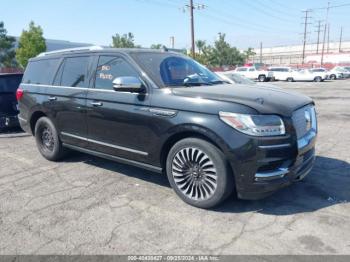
(163, 111)
(8, 103)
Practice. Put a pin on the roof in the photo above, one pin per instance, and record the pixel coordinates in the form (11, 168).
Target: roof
(86, 49)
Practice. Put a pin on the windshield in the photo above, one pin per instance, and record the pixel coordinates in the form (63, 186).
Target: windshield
(238, 79)
(170, 69)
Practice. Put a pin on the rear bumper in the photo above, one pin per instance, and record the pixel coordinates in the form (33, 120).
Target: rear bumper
(24, 124)
(8, 121)
(294, 167)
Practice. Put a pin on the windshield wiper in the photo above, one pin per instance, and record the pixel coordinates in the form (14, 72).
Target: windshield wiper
(188, 84)
(218, 82)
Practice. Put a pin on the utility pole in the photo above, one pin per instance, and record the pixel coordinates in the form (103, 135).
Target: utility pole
(328, 28)
(341, 38)
(261, 46)
(172, 42)
(318, 35)
(324, 33)
(193, 50)
(191, 8)
(305, 32)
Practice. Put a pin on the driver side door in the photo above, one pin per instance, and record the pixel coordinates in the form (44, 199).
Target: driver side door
(118, 122)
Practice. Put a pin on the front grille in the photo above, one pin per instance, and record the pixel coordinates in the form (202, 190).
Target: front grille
(300, 122)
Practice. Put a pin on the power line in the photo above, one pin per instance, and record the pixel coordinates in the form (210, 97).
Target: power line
(267, 13)
(273, 9)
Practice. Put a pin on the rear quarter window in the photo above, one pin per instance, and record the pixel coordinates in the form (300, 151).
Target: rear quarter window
(73, 72)
(41, 72)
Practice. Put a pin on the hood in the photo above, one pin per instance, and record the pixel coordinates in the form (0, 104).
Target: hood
(265, 100)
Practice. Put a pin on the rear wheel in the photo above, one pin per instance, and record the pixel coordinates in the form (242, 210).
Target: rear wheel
(332, 77)
(290, 79)
(199, 173)
(262, 78)
(47, 140)
(318, 79)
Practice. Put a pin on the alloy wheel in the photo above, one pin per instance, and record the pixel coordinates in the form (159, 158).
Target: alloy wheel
(47, 139)
(194, 173)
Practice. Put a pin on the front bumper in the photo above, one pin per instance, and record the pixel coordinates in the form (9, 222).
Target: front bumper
(285, 164)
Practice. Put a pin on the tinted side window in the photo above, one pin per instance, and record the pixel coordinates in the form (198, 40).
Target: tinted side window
(111, 67)
(40, 72)
(74, 72)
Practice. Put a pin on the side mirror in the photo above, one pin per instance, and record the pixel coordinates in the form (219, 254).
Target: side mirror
(128, 84)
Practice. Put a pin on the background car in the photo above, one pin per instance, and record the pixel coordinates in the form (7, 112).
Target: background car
(339, 72)
(8, 103)
(233, 78)
(281, 73)
(307, 75)
(336, 73)
(254, 74)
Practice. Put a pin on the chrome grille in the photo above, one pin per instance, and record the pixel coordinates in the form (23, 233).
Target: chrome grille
(300, 122)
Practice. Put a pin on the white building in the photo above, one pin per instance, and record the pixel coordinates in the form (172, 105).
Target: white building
(292, 55)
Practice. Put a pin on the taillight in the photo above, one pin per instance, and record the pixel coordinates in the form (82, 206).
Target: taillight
(19, 94)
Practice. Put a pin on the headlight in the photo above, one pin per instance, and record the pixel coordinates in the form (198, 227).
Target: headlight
(254, 125)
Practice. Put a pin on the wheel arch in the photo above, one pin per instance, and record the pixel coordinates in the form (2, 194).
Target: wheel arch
(188, 132)
(34, 118)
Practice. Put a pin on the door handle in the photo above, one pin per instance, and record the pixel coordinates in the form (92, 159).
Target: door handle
(52, 98)
(97, 104)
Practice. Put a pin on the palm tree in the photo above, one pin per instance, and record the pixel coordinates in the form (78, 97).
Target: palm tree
(200, 45)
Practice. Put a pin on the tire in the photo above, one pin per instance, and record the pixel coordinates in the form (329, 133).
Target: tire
(47, 140)
(212, 170)
(290, 79)
(318, 79)
(262, 78)
(332, 77)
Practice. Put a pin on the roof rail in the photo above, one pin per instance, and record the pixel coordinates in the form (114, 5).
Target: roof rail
(83, 48)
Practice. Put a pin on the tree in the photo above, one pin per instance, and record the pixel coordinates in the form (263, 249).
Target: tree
(200, 45)
(123, 41)
(224, 54)
(7, 51)
(31, 43)
(156, 46)
(249, 53)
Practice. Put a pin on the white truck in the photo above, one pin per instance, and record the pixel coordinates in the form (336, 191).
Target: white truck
(255, 74)
(307, 75)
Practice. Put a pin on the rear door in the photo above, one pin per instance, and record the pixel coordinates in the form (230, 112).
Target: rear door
(66, 99)
(8, 86)
(118, 122)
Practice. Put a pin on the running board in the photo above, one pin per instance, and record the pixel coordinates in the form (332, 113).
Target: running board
(115, 158)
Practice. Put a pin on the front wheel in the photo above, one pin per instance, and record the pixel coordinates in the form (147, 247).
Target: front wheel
(47, 140)
(262, 78)
(332, 77)
(290, 79)
(199, 173)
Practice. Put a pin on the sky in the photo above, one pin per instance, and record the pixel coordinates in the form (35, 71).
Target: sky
(246, 23)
